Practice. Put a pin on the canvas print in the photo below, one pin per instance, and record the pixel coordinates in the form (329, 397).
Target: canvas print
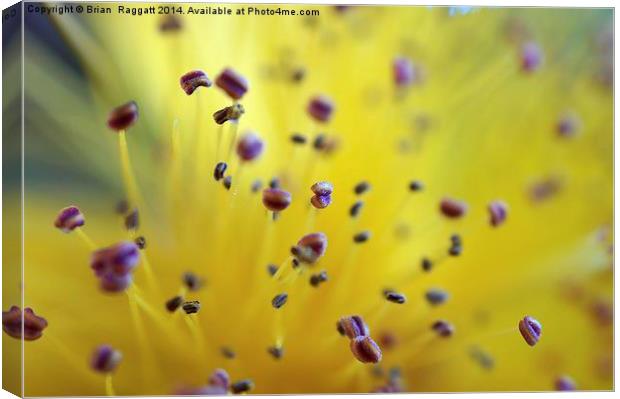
(222, 199)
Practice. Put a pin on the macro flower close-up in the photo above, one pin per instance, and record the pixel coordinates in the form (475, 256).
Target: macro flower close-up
(302, 199)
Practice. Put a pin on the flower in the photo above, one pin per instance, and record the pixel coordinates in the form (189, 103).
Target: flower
(479, 129)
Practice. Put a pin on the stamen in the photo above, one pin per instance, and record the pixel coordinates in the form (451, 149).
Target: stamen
(274, 183)
(227, 182)
(276, 351)
(530, 330)
(310, 247)
(33, 324)
(227, 352)
(321, 108)
(361, 237)
(69, 218)
(191, 307)
(356, 208)
(361, 187)
(498, 211)
(256, 186)
(132, 221)
(232, 83)
(249, 147)
(482, 358)
(565, 383)
(123, 117)
(531, 57)
(242, 386)
(317, 279)
(276, 200)
(443, 328)
(426, 264)
(232, 113)
(298, 138)
(219, 378)
(436, 296)
(219, 171)
(568, 125)
(113, 265)
(279, 300)
(174, 303)
(352, 327)
(416, 186)
(403, 71)
(193, 80)
(272, 269)
(192, 281)
(140, 242)
(452, 208)
(394, 297)
(365, 349)
(320, 201)
(106, 359)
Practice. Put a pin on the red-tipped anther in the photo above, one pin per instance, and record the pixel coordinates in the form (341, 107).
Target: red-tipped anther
(531, 57)
(105, 359)
(193, 80)
(352, 327)
(232, 83)
(69, 218)
(249, 147)
(123, 117)
(310, 247)
(530, 329)
(404, 71)
(321, 108)
(276, 200)
(498, 212)
(113, 265)
(365, 349)
(452, 208)
(33, 324)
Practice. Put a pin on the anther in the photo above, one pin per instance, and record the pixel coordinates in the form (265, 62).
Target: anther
(295, 263)
(279, 300)
(122, 207)
(356, 208)
(298, 75)
(192, 281)
(123, 117)
(310, 247)
(318, 278)
(193, 80)
(320, 142)
(320, 201)
(191, 307)
(227, 352)
(132, 220)
(174, 303)
(276, 200)
(113, 265)
(274, 183)
(249, 147)
(242, 386)
(276, 351)
(565, 383)
(361, 237)
(530, 330)
(170, 23)
(452, 208)
(232, 113)
(403, 71)
(568, 125)
(352, 327)
(531, 57)
(232, 83)
(321, 108)
(498, 211)
(33, 324)
(140, 242)
(298, 138)
(220, 169)
(361, 187)
(388, 340)
(426, 264)
(394, 297)
(322, 188)
(435, 296)
(443, 328)
(69, 218)
(415, 186)
(256, 186)
(227, 182)
(455, 249)
(105, 359)
(272, 269)
(365, 349)
(219, 378)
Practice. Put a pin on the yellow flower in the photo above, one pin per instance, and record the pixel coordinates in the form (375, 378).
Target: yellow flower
(507, 105)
